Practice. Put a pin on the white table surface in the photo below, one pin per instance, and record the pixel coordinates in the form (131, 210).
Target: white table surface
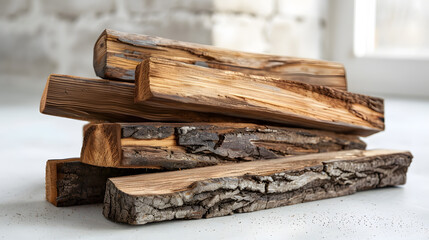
(28, 139)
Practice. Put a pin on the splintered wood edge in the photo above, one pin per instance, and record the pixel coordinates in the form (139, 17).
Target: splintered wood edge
(51, 178)
(176, 181)
(143, 95)
(99, 56)
(108, 71)
(114, 34)
(102, 145)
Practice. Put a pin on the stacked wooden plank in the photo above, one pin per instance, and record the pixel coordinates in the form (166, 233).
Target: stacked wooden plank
(182, 131)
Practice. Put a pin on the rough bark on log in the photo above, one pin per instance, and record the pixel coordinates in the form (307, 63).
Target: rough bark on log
(189, 145)
(105, 100)
(175, 85)
(246, 187)
(116, 55)
(69, 182)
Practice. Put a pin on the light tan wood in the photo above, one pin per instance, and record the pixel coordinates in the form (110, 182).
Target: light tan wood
(245, 187)
(190, 145)
(175, 181)
(175, 85)
(116, 55)
(166, 142)
(102, 145)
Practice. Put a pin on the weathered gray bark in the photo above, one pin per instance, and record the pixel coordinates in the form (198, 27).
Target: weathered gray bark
(201, 145)
(78, 183)
(246, 193)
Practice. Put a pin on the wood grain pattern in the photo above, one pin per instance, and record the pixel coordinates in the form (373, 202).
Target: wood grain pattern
(190, 145)
(106, 100)
(116, 55)
(246, 187)
(175, 85)
(70, 182)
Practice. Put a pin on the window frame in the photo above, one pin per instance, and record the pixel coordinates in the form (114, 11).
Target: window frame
(375, 74)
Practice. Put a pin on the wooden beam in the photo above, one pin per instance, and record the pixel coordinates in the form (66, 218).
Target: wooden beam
(70, 182)
(105, 100)
(245, 187)
(190, 145)
(116, 55)
(175, 85)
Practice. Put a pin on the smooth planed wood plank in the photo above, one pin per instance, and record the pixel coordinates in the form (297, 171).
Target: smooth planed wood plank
(174, 85)
(116, 55)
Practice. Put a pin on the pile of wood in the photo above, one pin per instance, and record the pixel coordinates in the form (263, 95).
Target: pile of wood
(183, 131)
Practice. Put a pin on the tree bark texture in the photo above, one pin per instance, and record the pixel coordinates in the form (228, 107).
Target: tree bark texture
(70, 182)
(246, 187)
(189, 145)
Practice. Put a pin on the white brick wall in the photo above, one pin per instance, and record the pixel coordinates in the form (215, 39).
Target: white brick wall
(76, 8)
(295, 37)
(44, 36)
(151, 6)
(9, 8)
(301, 8)
(284, 27)
(240, 32)
(255, 7)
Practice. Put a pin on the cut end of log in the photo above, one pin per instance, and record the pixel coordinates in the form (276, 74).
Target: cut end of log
(100, 50)
(50, 182)
(69, 182)
(51, 179)
(44, 96)
(101, 145)
(142, 89)
(346, 83)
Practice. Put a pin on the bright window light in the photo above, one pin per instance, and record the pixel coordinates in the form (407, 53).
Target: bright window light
(391, 28)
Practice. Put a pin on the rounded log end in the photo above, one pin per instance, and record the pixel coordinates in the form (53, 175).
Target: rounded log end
(100, 50)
